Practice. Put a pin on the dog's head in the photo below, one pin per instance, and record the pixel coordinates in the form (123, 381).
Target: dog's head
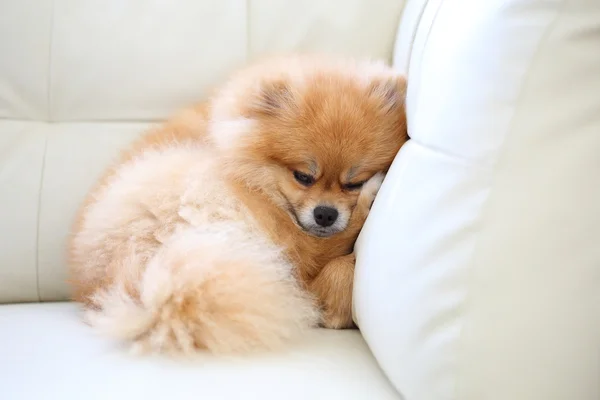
(310, 132)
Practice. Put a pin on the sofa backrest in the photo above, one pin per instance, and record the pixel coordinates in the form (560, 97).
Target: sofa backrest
(478, 270)
(80, 79)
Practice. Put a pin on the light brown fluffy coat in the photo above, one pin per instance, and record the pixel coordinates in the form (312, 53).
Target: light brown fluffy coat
(191, 240)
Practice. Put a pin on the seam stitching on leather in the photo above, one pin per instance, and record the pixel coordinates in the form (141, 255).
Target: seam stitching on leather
(413, 37)
(427, 35)
(43, 168)
(39, 209)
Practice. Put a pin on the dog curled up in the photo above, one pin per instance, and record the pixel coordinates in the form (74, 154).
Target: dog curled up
(231, 227)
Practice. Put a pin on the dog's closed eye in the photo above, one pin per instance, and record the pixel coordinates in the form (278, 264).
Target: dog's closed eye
(303, 178)
(353, 185)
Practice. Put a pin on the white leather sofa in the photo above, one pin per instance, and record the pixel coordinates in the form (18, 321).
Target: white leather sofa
(478, 274)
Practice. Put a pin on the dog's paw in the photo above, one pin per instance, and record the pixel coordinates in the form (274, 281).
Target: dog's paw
(370, 190)
(333, 288)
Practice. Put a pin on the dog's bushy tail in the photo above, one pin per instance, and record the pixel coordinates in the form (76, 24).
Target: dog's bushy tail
(219, 289)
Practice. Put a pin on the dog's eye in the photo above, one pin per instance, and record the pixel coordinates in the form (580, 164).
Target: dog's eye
(353, 186)
(303, 178)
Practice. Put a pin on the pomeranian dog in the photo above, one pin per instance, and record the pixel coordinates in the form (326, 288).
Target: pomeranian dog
(231, 227)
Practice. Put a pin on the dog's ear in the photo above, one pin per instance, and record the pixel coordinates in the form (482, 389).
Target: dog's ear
(271, 98)
(389, 92)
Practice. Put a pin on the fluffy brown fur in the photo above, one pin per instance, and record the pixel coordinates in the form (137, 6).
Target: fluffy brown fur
(203, 236)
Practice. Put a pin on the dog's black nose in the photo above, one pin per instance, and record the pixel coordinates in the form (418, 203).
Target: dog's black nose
(325, 216)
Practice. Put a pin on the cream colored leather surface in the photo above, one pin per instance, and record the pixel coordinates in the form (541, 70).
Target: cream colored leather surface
(22, 148)
(47, 353)
(114, 60)
(355, 27)
(25, 64)
(478, 274)
(80, 79)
